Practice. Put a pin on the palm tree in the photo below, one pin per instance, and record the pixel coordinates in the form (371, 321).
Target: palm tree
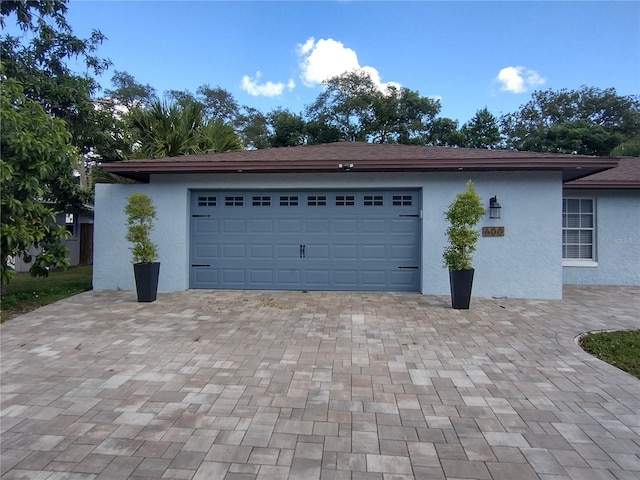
(170, 130)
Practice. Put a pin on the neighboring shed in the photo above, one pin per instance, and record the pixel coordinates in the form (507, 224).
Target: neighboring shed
(79, 242)
(601, 223)
(342, 216)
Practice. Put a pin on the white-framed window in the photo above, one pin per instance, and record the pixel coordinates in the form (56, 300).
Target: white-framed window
(578, 230)
(69, 223)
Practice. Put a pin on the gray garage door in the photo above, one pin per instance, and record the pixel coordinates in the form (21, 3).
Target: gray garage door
(306, 240)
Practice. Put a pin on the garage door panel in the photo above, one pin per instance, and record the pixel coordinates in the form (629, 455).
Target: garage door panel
(374, 226)
(204, 250)
(234, 251)
(333, 240)
(403, 226)
(261, 277)
(319, 226)
(233, 276)
(374, 278)
(402, 252)
(347, 279)
(234, 226)
(341, 226)
(374, 252)
(289, 226)
(261, 252)
(404, 277)
(206, 225)
(288, 276)
(345, 252)
(261, 225)
(289, 251)
(317, 278)
(205, 275)
(316, 252)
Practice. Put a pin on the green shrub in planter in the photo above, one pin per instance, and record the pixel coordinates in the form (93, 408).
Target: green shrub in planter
(463, 215)
(140, 216)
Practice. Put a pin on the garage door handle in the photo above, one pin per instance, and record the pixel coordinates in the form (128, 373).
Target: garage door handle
(304, 251)
(415, 267)
(200, 265)
(417, 215)
(200, 216)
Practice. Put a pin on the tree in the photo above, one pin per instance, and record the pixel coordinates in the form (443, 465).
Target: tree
(444, 132)
(288, 129)
(216, 102)
(40, 60)
(36, 161)
(46, 109)
(219, 103)
(587, 121)
(253, 128)
(629, 148)
(400, 115)
(128, 92)
(354, 108)
(345, 105)
(170, 130)
(41, 63)
(482, 131)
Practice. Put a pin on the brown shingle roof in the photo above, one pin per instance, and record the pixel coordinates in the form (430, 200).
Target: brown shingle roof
(365, 157)
(625, 175)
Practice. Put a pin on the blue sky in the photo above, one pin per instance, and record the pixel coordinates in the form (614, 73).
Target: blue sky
(467, 54)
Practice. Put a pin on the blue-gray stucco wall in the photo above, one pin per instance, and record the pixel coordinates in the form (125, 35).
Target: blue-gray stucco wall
(525, 263)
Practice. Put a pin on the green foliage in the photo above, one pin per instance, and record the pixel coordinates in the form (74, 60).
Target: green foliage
(400, 115)
(41, 60)
(170, 130)
(621, 349)
(35, 160)
(141, 213)
(128, 92)
(589, 121)
(217, 102)
(629, 148)
(344, 105)
(463, 215)
(353, 108)
(445, 133)
(254, 129)
(482, 131)
(288, 128)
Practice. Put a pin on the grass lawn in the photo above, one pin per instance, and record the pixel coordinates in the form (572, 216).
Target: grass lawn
(620, 349)
(25, 293)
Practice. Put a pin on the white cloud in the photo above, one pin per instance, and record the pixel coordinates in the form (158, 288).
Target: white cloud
(267, 89)
(327, 58)
(519, 79)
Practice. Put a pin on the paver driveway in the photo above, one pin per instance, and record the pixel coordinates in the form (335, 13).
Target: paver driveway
(277, 385)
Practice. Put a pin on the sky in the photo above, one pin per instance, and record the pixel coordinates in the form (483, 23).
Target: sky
(275, 54)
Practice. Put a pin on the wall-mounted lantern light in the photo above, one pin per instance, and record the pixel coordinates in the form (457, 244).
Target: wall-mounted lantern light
(494, 208)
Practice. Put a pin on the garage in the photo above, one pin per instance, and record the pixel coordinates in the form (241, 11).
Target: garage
(353, 240)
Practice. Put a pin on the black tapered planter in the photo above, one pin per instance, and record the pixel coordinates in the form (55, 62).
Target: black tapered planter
(461, 282)
(146, 280)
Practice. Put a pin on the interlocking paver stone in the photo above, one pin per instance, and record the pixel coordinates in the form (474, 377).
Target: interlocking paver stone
(317, 385)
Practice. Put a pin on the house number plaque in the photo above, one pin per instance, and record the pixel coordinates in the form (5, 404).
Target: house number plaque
(493, 231)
